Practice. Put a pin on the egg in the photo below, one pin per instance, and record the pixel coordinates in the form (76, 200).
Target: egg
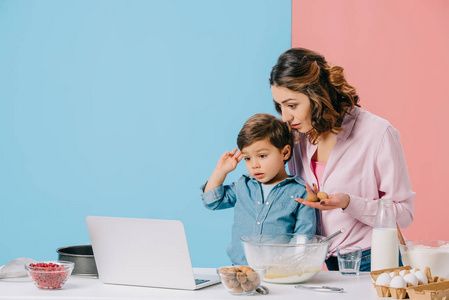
(322, 195)
(383, 279)
(402, 273)
(312, 197)
(411, 278)
(413, 270)
(398, 282)
(392, 274)
(422, 278)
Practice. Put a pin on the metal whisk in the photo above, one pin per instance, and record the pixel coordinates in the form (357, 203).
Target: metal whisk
(298, 258)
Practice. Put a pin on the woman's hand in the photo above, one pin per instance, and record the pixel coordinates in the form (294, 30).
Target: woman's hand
(334, 201)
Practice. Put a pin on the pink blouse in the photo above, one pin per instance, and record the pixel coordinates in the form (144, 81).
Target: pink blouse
(367, 163)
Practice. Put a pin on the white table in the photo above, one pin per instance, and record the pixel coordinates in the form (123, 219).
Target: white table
(356, 287)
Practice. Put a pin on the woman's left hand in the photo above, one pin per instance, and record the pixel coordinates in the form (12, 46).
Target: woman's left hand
(334, 201)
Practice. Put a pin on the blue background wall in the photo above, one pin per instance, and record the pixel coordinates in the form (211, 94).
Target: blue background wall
(122, 108)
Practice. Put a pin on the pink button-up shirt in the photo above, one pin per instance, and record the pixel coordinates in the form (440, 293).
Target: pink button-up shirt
(367, 163)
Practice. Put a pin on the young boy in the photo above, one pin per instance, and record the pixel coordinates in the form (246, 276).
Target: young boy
(264, 200)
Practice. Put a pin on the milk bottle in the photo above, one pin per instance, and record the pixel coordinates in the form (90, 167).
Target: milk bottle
(384, 245)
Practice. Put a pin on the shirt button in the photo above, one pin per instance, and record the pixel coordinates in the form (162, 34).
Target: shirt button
(268, 203)
(292, 196)
(258, 223)
(258, 202)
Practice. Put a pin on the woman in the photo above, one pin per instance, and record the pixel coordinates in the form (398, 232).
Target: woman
(349, 153)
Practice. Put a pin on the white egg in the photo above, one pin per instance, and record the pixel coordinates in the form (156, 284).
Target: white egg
(411, 278)
(402, 273)
(422, 278)
(383, 279)
(392, 274)
(413, 270)
(398, 282)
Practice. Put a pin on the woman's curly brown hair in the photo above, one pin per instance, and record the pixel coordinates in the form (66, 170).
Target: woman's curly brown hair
(330, 95)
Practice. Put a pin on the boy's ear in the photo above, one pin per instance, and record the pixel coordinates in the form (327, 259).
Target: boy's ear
(286, 152)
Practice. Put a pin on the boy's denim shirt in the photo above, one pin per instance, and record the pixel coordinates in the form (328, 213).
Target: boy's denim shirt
(278, 213)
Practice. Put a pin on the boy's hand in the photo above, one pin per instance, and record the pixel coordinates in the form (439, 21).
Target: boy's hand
(229, 161)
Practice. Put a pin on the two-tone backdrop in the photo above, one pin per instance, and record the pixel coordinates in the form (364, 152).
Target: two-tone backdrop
(122, 108)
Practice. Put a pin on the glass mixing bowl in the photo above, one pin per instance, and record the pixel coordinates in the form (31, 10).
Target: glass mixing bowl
(287, 258)
(427, 253)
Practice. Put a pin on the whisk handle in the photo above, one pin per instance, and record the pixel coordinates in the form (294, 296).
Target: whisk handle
(333, 235)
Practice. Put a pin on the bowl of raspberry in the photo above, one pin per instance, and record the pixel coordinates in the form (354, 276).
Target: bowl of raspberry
(50, 274)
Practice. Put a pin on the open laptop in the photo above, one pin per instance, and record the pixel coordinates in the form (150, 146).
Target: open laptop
(144, 252)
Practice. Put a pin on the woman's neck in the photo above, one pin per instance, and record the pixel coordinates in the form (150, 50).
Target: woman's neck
(326, 143)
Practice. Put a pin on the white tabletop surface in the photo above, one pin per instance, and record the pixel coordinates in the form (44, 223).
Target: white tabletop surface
(356, 287)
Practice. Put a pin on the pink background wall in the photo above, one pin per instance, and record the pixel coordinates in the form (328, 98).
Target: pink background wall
(396, 53)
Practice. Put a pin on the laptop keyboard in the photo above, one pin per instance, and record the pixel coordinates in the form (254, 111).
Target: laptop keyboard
(200, 281)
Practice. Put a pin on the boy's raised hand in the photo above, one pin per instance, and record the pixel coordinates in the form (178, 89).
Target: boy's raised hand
(229, 161)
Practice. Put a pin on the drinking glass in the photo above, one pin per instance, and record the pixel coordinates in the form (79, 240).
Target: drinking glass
(349, 260)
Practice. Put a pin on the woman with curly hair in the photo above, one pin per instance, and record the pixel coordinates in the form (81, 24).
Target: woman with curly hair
(349, 153)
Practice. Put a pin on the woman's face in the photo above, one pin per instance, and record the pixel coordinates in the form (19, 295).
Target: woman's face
(295, 108)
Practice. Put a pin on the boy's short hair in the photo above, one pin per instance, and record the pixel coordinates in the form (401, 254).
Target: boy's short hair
(262, 126)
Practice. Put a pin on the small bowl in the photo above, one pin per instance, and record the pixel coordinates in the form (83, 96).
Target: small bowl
(241, 280)
(50, 274)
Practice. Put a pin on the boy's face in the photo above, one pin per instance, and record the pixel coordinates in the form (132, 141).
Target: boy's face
(265, 162)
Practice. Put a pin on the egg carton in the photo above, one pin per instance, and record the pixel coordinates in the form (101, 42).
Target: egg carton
(436, 289)
(432, 291)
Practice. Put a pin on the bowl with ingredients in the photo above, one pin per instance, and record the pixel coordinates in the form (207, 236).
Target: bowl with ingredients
(49, 274)
(241, 280)
(287, 258)
(427, 253)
